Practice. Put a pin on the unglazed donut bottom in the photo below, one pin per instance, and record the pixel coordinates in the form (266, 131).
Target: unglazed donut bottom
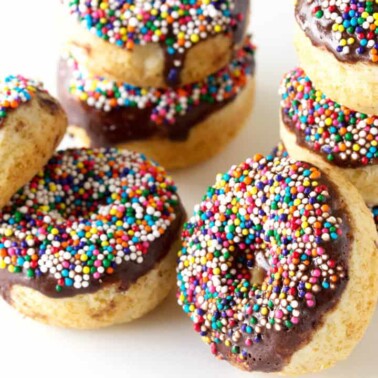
(29, 136)
(205, 140)
(353, 85)
(106, 307)
(363, 178)
(144, 65)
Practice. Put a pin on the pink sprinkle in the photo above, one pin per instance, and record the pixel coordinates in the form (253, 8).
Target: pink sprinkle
(295, 320)
(279, 314)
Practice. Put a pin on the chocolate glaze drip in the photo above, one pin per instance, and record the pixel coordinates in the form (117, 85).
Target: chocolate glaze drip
(319, 30)
(106, 129)
(124, 275)
(276, 348)
(301, 141)
(172, 71)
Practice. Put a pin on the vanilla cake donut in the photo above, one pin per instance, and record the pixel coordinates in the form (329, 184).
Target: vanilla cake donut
(91, 241)
(158, 43)
(337, 44)
(278, 267)
(316, 129)
(32, 124)
(177, 127)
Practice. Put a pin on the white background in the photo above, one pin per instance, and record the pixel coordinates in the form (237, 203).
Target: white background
(161, 344)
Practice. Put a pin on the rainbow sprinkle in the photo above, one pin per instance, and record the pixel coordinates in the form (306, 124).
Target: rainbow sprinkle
(167, 104)
(279, 151)
(175, 23)
(353, 24)
(87, 213)
(270, 215)
(341, 135)
(14, 91)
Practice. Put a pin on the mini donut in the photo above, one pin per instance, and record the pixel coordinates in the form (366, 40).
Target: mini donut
(91, 241)
(319, 130)
(32, 124)
(337, 44)
(155, 43)
(176, 127)
(278, 267)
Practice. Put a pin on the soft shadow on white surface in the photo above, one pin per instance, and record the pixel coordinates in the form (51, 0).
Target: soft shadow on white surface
(163, 344)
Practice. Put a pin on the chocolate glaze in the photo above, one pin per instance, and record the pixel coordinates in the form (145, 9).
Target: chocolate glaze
(124, 275)
(172, 72)
(301, 141)
(276, 348)
(106, 129)
(321, 35)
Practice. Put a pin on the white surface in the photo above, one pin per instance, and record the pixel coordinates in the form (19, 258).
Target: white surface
(162, 344)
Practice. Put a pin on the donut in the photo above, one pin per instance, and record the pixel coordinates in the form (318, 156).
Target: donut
(337, 44)
(159, 43)
(316, 129)
(278, 266)
(177, 127)
(91, 240)
(32, 124)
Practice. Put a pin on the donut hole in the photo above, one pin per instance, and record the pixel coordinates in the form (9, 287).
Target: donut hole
(258, 275)
(260, 270)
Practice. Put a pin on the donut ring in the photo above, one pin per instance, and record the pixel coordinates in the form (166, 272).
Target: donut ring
(319, 130)
(277, 267)
(32, 124)
(177, 127)
(155, 43)
(338, 40)
(91, 240)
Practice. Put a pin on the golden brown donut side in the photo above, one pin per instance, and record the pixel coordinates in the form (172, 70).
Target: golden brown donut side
(28, 138)
(352, 85)
(106, 307)
(144, 65)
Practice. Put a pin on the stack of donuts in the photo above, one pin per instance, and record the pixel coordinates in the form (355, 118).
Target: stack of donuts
(172, 79)
(277, 267)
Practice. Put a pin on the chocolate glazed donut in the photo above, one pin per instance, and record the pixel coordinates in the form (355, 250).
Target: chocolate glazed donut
(124, 273)
(127, 123)
(269, 267)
